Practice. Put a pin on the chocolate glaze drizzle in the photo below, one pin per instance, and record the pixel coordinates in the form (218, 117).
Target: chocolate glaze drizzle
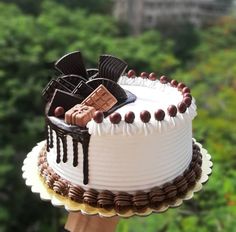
(123, 201)
(78, 136)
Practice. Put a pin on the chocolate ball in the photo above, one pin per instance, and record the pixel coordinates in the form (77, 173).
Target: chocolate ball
(129, 117)
(186, 90)
(152, 76)
(163, 79)
(187, 95)
(159, 115)
(59, 111)
(187, 101)
(115, 118)
(144, 75)
(145, 116)
(172, 110)
(174, 83)
(98, 116)
(182, 107)
(131, 73)
(180, 86)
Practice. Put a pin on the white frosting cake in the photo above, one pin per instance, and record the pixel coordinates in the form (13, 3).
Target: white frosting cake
(134, 156)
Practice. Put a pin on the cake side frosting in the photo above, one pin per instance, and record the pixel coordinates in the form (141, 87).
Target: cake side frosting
(120, 164)
(122, 201)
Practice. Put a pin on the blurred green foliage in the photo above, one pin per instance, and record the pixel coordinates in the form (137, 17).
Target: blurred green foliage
(29, 45)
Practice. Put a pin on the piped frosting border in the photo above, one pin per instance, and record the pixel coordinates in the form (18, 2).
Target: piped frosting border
(123, 201)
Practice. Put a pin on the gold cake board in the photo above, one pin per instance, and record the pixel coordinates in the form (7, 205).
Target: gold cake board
(35, 181)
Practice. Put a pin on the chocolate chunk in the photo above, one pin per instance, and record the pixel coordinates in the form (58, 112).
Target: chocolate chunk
(101, 99)
(79, 115)
(83, 89)
(66, 83)
(112, 87)
(115, 118)
(111, 67)
(98, 116)
(49, 90)
(129, 117)
(172, 110)
(159, 115)
(63, 99)
(145, 116)
(72, 63)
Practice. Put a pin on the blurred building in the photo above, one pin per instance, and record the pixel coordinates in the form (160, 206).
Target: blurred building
(142, 14)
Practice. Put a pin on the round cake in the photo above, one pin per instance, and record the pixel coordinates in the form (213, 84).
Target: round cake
(116, 140)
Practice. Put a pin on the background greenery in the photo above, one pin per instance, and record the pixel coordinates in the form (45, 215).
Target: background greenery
(33, 34)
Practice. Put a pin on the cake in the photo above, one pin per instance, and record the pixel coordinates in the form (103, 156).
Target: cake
(117, 140)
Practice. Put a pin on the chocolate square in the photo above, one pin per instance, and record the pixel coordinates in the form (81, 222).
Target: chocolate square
(100, 99)
(63, 99)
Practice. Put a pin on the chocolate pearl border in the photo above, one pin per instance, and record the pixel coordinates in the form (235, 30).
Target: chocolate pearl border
(185, 91)
(123, 201)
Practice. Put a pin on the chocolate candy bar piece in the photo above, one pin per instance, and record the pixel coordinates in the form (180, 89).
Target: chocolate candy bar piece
(82, 89)
(49, 90)
(72, 63)
(79, 115)
(63, 99)
(101, 99)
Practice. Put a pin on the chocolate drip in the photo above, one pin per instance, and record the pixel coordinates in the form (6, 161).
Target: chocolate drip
(85, 146)
(64, 144)
(51, 137)
(58, 150)
(47, 136)
(75, 152)
(78, 136)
